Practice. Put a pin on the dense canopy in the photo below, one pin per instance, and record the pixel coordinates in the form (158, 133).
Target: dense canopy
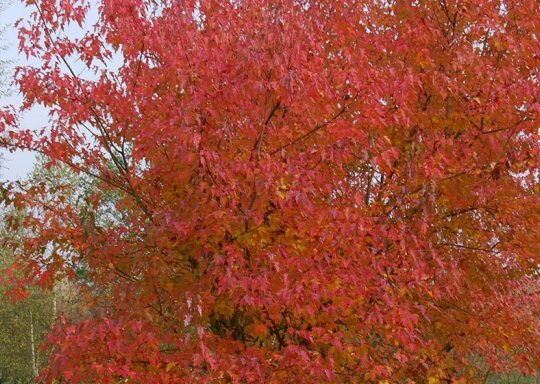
(289, 191)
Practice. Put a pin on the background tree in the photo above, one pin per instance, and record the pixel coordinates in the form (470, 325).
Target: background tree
(27, 315)
(23, 326)
(23, 323)
(311, 191)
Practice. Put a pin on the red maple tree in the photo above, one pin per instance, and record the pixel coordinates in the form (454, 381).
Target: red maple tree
(310, 191)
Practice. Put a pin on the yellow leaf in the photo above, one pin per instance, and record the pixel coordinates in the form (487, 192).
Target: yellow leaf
(403, 291)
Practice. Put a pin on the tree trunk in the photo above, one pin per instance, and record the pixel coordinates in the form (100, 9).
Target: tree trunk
(33, 345)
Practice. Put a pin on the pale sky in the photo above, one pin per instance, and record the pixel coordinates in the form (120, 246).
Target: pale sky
(19, 164)
(16, 165)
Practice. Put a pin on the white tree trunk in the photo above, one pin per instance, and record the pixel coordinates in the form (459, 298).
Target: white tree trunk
(33, 345)
(54, 302)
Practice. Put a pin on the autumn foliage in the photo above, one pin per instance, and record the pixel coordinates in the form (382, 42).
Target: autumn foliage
(305, 191)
